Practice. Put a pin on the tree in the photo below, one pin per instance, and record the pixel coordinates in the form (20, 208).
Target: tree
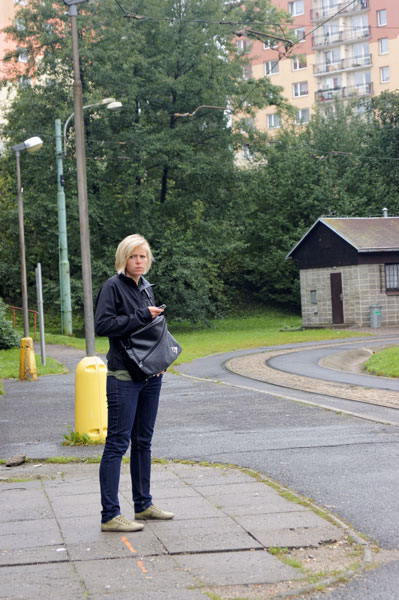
(331, 168)
(171, 178)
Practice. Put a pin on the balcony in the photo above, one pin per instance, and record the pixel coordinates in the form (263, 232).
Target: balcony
(355, 91)
(345, 64)
(340, 37)
(320, 12)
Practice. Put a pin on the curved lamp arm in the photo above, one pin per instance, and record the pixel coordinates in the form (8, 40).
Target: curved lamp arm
(110, 103)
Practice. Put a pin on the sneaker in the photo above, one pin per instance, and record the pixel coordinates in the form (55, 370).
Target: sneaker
(120, 523)
(153, 512)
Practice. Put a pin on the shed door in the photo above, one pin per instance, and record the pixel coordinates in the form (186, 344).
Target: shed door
(336, 298)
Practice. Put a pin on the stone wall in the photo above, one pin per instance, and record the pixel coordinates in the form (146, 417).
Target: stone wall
(362, 286)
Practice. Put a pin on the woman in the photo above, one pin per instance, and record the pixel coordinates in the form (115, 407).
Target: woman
(125, 303)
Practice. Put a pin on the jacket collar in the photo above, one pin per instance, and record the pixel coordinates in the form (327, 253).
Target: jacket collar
(144, 284)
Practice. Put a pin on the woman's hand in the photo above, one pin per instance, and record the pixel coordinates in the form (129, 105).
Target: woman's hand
(155, 311)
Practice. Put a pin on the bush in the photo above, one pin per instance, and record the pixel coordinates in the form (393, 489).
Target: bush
(8, 337)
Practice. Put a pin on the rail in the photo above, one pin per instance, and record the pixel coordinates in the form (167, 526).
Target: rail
(35, 315)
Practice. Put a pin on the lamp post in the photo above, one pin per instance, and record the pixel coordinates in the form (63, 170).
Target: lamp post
(65, 282)
(29, 371)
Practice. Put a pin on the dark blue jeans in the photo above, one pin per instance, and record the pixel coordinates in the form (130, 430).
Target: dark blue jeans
(132, 411)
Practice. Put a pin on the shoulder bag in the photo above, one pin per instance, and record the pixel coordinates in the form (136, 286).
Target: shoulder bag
(149, 350)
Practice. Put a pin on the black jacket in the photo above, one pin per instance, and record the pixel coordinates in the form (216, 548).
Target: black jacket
(121, 308)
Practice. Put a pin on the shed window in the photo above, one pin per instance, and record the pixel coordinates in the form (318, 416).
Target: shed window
(392, 278)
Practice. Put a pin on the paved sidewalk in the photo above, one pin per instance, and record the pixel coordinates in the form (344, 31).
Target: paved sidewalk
(226, 520)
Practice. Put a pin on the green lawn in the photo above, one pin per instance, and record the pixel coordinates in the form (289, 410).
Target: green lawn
(384, 363)
(268, 327)
(9, 365)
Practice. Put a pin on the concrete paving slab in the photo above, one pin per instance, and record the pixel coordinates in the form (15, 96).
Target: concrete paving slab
(71, 487)
(241, 504)
(298, 538)
(285, 520)
(203, 535)
(77, 505)
(117, 545)
(191, 507)
(218, 476)
(35, 582)
(249, 488)
(24, 502)
(25, 556)
(293, 529)
(238, 568)
(29, 534)
(128, 575)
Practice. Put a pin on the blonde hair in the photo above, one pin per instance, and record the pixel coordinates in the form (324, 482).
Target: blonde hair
(127, 247)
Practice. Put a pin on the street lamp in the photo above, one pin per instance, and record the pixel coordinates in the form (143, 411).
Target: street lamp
(65, 282)
(109, 103)
(30, 145)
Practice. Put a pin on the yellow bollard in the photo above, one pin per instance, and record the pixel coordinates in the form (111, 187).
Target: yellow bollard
(27, 362)
(90, 398)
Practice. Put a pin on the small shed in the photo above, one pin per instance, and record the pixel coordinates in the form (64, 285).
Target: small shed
(349, 270)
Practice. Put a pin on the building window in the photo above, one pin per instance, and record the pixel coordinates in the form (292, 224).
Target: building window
(392, 278)
(271, 67)
(382, 17)
(300, 89)
(384, 74)
(23, 55)
(247, 72)
(247, 124)
(243, 45)
(296, 8)
(302, 116)
(273, 121)
(23, 2)
(300, 34)
(383, 45)
(270, 45)
(299, 62)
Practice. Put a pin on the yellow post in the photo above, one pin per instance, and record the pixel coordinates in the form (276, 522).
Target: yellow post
(90, 398)
(27, 362)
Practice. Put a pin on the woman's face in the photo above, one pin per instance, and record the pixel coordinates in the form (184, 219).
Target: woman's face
(136, 264)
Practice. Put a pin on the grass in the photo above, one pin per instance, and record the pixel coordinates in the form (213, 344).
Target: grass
(261, 327)
(266, 327)
(9, 364)
(384, 363)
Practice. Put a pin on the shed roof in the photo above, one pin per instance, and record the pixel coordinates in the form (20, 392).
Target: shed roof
(365, 234)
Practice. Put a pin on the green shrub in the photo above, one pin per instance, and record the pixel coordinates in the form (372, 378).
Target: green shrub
(8, 337)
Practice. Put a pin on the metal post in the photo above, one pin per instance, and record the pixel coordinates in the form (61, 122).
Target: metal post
(22, 248)
(65, 283)
(82, 190)
(39, 293)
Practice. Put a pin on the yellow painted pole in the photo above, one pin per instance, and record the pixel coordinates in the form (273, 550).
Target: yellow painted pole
(27, 362)
(90, 398)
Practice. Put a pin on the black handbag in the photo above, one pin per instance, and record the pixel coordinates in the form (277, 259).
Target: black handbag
(149, 350)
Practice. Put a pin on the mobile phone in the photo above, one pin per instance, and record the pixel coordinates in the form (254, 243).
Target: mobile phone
(162, 306)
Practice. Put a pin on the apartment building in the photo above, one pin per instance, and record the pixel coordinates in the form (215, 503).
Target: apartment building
(346, 49)
(7, 16)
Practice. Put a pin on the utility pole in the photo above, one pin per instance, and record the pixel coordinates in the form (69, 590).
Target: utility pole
(65, 282)
(82, 183)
